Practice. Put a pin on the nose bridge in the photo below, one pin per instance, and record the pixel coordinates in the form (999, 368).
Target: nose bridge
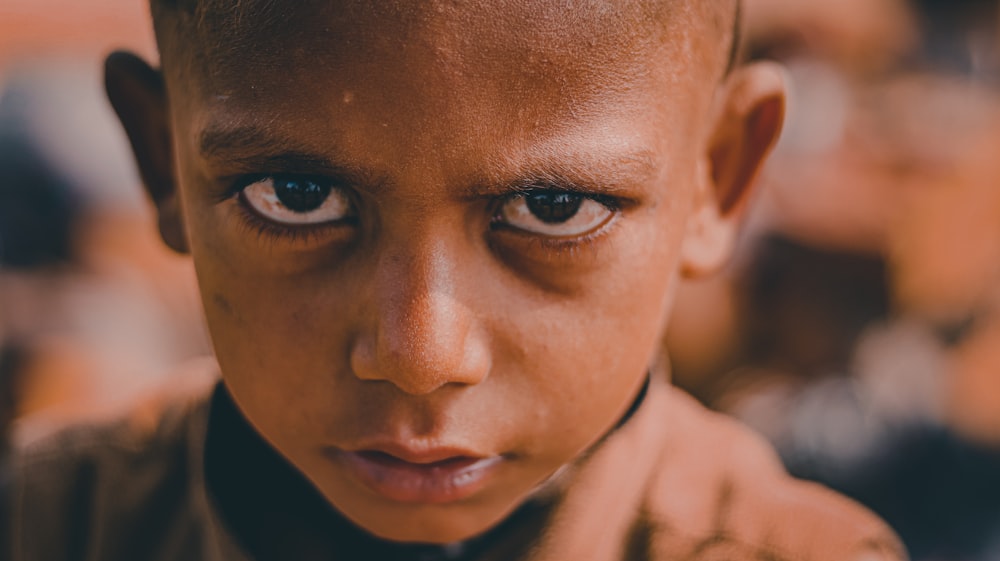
(423, 337)
(415, 294)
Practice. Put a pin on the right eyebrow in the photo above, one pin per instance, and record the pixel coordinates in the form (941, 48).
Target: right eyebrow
(218, 140)
(255, 148)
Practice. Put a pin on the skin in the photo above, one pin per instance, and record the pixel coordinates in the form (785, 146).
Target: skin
(424, 320)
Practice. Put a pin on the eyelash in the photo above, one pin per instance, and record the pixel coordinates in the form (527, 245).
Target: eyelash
(273, 232)
(566, 246)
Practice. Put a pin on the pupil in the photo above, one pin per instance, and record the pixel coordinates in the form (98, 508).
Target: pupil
(300, 195)
(553, 208)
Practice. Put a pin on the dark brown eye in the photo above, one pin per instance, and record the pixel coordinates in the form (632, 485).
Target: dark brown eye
(553, 208)
(297, 201)
(554, 214)
(300, 195)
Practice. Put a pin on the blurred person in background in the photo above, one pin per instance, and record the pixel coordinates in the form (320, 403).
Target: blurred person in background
(94, 313)
(78, 254)
(37, 216)
(862, 314)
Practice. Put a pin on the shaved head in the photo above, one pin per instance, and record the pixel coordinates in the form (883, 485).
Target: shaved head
(188, 30)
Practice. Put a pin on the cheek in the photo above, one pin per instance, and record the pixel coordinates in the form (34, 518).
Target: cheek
(280, 339)
(583, 357)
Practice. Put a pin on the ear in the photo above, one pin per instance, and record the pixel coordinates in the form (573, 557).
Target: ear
(748, 119)
(138, 95)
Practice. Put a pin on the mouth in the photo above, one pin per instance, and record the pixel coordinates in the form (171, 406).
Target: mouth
(431, 477)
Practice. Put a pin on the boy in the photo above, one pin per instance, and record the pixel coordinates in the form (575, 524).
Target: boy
(436, 243)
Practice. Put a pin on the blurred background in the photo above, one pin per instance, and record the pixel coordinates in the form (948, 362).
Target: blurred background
(94, 311)
(857, 329)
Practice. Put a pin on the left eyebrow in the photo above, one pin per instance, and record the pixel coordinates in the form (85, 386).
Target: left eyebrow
(612, 175)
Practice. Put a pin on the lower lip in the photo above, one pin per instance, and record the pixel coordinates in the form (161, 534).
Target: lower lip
(405, 482)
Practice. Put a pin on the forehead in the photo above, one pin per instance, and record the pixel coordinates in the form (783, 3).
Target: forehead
(500, 21)
(445, 67)
(603, 42)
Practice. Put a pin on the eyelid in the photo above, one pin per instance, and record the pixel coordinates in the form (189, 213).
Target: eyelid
(236, 184)
(608, 192)
(243, 181)
(613, 203)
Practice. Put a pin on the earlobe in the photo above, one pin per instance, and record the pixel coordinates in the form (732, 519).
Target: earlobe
(137, 94)
(748, 122)
(708, 239)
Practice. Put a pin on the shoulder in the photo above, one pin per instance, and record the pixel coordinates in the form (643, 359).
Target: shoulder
(114, 491)
(721, 492)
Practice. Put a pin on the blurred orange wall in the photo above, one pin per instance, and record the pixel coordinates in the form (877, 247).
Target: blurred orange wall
(30, 28)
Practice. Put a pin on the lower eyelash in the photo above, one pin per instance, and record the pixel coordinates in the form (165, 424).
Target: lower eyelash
(565, 247)
(271, 232)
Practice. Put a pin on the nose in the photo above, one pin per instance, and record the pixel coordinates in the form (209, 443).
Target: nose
(421, 336)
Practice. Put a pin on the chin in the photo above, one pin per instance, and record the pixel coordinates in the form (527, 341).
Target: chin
(433, 525)
(435, 535)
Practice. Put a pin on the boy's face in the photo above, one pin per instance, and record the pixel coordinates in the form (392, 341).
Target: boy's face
(436, 245)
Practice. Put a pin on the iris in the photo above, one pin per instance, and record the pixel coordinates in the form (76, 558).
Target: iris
(300, 195)
(553, 208)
